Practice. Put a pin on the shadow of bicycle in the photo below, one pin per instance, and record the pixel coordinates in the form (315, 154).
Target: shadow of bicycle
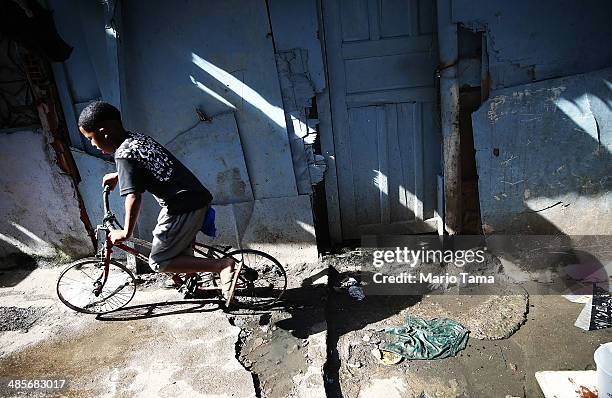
(165, 308)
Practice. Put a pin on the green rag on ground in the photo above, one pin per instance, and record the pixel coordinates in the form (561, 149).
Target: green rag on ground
(422, 339)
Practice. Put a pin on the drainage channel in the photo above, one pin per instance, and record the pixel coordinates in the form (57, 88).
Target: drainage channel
(285, 348)
(331, 370)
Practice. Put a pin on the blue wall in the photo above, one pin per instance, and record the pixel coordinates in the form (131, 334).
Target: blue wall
(219, 57)
(543, 148)
(543, 152)
(537, 40)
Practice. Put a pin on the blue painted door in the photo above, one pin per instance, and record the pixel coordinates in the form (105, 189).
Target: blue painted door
(381, 58)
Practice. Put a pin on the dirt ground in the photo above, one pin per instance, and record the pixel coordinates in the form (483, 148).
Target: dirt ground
(316, 343)
(515, 331)
(548, 340)
(160, 345)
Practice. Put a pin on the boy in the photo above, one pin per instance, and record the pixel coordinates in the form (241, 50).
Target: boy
(145, 165)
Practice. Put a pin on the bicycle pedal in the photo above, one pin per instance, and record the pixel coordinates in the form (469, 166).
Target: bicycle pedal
(250, 274)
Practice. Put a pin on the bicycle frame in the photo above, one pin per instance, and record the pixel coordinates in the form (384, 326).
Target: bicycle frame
(259, 286)
(109, 222)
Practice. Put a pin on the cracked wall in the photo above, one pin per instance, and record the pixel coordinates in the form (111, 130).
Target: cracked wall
(40, 209)
(543, 152)
(541, 148)
(531, 41)
(204, 83)
(300, 68)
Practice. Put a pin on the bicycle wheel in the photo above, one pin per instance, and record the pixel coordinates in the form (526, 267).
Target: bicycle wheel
(80, 288)
(262, 280)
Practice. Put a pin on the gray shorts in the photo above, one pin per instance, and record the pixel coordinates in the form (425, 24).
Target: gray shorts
(173, 236)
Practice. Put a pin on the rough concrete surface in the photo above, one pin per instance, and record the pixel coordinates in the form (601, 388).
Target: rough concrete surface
(160, 345)
(515, 332)
(553, 170)
(316, 342)
(486, 368)
(33, 180)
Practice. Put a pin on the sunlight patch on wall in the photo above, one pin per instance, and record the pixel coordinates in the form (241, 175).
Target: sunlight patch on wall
(211, 92)
(274, 113)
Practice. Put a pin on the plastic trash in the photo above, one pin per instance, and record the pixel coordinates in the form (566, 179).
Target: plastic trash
(603, 360)
(427, 339)
(208, 227)
(356, 292)
(348, 282)
(352, 286)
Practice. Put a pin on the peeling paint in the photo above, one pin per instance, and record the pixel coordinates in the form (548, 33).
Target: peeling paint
(40, 208)
(534, 41)
(494, 105)
(555, 177)
(298, 92)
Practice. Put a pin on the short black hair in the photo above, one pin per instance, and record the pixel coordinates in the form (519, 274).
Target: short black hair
(96, 112)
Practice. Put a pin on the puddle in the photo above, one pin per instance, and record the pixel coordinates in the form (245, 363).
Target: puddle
(83, 361)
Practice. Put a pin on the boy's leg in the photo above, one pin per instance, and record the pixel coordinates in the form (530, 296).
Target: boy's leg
(171, 251)
(186, 264)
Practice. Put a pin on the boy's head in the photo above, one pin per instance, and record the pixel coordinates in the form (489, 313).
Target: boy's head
(100, 123)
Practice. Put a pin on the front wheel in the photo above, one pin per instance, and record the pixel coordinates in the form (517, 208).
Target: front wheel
(262, 280)
(81, 286)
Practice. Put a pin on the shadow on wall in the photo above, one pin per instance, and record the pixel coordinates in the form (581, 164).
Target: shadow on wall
(221, 165)
(214, 99)
(543, 157)
(40, 212)
(21, 250)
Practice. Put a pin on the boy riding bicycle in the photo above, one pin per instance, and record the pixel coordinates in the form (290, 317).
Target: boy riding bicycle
(145, 165)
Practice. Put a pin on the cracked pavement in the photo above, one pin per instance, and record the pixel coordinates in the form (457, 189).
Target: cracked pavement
(159, 346)
(313, 344)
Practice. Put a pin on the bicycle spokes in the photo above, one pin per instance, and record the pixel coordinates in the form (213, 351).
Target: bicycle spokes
(85, 287)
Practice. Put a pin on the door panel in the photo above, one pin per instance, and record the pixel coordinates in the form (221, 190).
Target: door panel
(381, 61)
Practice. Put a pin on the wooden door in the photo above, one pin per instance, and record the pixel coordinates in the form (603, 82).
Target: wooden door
(381, 57)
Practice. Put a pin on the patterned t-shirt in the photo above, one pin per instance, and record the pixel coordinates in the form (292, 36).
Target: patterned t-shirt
(145, 165)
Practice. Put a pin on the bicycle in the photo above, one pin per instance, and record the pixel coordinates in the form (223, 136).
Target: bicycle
(89, 286)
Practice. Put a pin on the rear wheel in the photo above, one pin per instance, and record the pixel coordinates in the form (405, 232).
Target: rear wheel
(262, 280)
(80, 288)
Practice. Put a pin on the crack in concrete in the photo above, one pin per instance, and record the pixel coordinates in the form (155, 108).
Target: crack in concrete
(331, 369)
(238, 347)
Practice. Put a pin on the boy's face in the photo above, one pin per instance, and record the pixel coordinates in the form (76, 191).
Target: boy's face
(99, 139)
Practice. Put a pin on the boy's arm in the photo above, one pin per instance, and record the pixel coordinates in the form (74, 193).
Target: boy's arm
(132, 209)
(129, 176)
(110, 179)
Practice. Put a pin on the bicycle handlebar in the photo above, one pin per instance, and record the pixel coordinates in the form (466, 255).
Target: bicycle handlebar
(107, 190)
(110, 221)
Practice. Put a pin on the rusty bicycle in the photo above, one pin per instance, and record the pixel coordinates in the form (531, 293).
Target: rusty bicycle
(101, 284)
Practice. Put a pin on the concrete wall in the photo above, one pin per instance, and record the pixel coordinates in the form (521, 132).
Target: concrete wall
(203, 82)
(40, 211)
(542, 149)
(536, 40)
(180, 56)
(543, 152)
(220, 61)
(92, 170)
(299, 61)
(88, 74)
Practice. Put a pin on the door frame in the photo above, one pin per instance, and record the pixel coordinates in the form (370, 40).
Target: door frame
(329, 136)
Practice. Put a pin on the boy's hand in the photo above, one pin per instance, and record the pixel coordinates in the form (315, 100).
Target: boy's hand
(110, 179)
(118, 236)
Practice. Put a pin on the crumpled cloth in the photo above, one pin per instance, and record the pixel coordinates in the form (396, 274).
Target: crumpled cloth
(422, 339)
